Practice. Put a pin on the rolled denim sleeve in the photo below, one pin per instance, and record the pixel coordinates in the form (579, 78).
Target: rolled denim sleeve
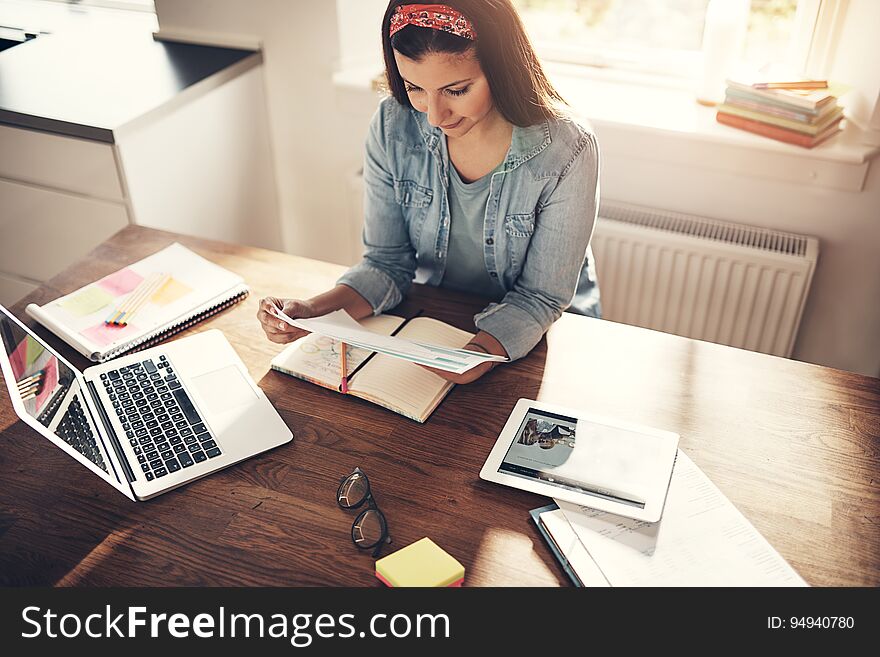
(563, 227)
(389, 263)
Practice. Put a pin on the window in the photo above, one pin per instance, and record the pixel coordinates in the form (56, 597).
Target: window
(665, 36)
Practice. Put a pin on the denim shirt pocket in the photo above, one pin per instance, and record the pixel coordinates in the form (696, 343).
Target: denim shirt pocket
(410, 194)
(519, 228)
(520, 225)
(414, 200)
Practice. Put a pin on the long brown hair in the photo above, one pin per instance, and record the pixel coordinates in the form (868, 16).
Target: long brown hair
(521, 91)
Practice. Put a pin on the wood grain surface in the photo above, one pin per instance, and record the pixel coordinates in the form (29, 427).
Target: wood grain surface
(796, 448)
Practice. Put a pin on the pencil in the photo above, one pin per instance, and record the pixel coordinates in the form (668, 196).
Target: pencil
(134, 301)
(116, 317)
(29, 391)
(30, 383)
(29, 379)
(344, 384)
(145, 295)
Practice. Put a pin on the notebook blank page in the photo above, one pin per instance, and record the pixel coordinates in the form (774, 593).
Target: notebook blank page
(403, 385)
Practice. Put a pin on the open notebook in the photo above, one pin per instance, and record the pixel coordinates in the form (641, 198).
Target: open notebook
(185, 289)
(396, 384)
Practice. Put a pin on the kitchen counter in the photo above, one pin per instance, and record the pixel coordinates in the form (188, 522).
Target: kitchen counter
(93, 83)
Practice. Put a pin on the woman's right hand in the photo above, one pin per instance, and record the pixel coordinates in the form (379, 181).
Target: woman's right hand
(277, 330)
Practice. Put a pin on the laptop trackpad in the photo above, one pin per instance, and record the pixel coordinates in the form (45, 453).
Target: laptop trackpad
(224, 390)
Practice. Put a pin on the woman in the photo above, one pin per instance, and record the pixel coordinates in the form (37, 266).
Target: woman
(474, 181)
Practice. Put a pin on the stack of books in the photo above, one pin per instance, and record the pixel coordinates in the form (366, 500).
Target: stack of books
(803, 115)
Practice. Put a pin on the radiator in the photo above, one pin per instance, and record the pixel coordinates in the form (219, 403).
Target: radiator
(726, 283)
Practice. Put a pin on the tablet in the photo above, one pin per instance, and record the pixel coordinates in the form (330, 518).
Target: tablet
(584, 459)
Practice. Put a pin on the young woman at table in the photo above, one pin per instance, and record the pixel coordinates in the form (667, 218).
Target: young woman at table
(475, 180)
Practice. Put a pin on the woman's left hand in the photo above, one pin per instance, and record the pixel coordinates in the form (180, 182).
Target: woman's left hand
(483, 343)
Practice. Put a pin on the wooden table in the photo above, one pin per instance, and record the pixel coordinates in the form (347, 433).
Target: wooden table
(794, 446)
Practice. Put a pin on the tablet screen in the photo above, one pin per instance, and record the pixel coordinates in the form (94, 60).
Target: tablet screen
(594, 459)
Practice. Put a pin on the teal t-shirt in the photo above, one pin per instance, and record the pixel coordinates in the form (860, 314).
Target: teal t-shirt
(465, 264)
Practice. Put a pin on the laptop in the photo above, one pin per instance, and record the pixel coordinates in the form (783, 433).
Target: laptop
(147, 422)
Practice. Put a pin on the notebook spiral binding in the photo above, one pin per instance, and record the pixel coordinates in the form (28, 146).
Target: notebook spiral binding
(155, 338)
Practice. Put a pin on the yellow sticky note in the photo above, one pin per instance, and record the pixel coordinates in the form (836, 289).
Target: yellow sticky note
(89, 301)
(170, 292)
(422, 563)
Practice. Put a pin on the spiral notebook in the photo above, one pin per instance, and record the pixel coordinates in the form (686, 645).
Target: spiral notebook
(150, 300)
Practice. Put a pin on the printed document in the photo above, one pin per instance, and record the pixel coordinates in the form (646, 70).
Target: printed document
(339, 325)
(702, 540)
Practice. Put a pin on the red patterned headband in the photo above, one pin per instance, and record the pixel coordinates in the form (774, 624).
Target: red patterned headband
(436, 17)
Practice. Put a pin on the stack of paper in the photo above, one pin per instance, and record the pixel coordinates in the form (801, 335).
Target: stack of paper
(702, 540)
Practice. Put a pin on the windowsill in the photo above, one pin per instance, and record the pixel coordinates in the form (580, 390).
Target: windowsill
(649, 106)
(641, 118)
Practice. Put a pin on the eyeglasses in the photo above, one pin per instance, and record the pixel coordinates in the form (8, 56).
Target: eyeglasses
(369, 530)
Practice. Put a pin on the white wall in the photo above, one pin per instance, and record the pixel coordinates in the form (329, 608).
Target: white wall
(318, 133)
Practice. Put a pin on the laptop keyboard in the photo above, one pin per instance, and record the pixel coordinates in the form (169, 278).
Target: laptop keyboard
(162, 426)
(74, 428)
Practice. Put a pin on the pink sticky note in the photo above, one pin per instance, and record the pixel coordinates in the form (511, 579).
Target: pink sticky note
(121, 282)
(103, 334)
(48, 383)
(17, 359)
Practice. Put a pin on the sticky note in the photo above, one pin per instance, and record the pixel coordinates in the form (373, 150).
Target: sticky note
(170, 292)
(89, 301)
(422, 563)
(121, 282)
(103, 334)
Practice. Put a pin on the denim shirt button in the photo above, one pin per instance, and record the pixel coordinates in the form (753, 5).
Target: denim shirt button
(490, 241)
(493, 274)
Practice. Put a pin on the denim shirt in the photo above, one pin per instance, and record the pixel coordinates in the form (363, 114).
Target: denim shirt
(536, 233)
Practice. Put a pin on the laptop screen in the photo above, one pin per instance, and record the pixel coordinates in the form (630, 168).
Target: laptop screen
(50, 392)
(41, 380)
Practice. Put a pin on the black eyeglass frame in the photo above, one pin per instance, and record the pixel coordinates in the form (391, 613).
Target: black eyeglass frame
(368, 498)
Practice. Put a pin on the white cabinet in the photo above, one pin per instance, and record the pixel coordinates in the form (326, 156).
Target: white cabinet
(75, 165)
(204, 167)
(59, 198)
(199, 164)
(45, 230)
